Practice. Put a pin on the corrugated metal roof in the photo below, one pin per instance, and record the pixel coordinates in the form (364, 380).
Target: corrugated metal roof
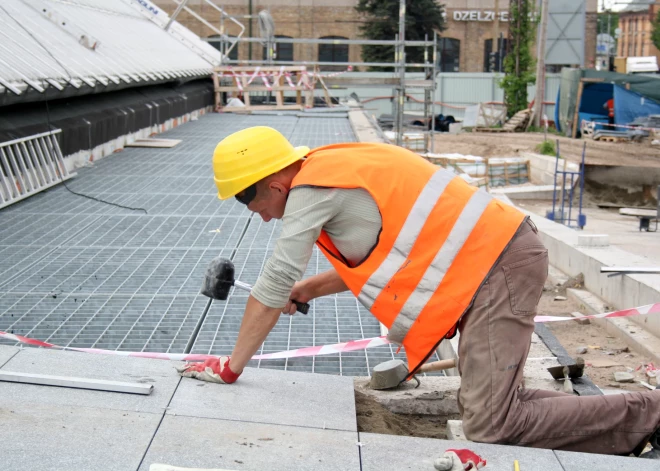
(90, 45)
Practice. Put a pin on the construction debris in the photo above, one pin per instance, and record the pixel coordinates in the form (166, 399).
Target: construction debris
(623, 377)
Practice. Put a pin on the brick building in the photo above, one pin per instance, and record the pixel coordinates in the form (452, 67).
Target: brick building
(464, 46)
(635, 22)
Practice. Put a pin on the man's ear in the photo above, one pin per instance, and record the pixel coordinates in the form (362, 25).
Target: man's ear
(277, 186)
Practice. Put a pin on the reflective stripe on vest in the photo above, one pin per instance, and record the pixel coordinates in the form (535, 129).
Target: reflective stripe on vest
(436, 271)
(419, 213)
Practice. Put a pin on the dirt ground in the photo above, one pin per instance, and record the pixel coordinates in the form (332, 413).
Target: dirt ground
(511, 144)
(372, 417)
(605, 353)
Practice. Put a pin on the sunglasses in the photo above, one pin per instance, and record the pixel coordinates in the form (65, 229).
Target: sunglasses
(246, 196)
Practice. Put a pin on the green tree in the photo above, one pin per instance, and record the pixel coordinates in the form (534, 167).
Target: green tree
(655, 34)
(607, 20)
(382, 22)
(519, 64)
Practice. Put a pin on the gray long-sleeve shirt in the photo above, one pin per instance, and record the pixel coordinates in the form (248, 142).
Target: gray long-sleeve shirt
(349, 216)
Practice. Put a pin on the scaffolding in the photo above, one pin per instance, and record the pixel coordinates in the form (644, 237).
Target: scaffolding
(272, 79)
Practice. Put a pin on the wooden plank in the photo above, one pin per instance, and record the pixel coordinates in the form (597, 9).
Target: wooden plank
(246, 95)
(491, 130)
(77, 383)
(258, 88)
(216, 85)
(234, 109)
(650, 213)
(279, 95)
(250, 68)
(151, 142)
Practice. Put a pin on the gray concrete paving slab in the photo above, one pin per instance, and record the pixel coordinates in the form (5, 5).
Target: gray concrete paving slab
(589, 462)
(68, 438)
(192, 442)
(6, 353)
(161, 374)
(390, 452)
(275, 397)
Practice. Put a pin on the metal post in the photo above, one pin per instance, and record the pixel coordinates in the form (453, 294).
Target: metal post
(402, 70)
(435, 83)
(540, 65)
(181, 6)
(554, 192)
(570, 199)
(582, 173)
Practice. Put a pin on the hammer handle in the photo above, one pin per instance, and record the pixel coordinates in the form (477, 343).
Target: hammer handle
(437, 366)
(302, 307)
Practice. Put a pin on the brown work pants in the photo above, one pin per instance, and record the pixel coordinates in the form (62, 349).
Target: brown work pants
(495, 339)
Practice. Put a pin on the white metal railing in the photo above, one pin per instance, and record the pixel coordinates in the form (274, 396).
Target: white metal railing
(30, 165)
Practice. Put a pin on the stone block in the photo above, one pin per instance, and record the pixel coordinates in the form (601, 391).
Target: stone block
(394, 453)
(455, 431)
(272, 396)
(593, 240)
(436, 395)
(193, 442)
(6, 353)
(579, 318)
(34, 435)
(572, 461)
(161, 374)
(624, 377)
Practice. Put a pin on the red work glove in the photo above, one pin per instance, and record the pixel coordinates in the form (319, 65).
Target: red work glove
(215, 370)
(459, 460)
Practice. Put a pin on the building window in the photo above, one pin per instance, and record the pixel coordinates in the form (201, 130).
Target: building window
(333, 53)
(450, 54)
(233, 54)
(282, 51)
(495, 64)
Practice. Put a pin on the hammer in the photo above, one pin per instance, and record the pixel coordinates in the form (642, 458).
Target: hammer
(567, 373)
(219, 279)
(391, 373)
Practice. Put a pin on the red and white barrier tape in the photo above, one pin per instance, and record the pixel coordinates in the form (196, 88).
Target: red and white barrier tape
(266, 75)
(635, 311)
(342, 347)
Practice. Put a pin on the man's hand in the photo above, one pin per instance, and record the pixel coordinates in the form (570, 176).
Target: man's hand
(215, 370)
(323, 284)
(301, 292)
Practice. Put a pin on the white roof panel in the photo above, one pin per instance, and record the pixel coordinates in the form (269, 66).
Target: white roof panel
(46, 43)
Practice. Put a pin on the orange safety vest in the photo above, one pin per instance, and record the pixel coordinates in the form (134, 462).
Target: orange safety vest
(440, 238)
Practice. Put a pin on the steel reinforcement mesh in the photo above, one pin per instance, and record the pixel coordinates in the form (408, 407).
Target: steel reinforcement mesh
(77, 272)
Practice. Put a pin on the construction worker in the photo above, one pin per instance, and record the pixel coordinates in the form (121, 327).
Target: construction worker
(609, 105)
(427, 254)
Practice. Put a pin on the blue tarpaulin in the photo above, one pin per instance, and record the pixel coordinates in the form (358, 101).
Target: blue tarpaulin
(629, 105)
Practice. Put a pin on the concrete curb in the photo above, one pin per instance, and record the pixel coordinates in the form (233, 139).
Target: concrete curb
(363, 128)
(620, 292)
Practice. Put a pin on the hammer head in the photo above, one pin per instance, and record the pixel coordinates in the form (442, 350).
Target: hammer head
(219, 279)
(388, 375)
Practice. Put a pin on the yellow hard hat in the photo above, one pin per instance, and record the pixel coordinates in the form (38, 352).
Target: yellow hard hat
(245, 157)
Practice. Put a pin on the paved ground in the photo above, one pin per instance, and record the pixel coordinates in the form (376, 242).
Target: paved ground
(80, 273)
(275, 420)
